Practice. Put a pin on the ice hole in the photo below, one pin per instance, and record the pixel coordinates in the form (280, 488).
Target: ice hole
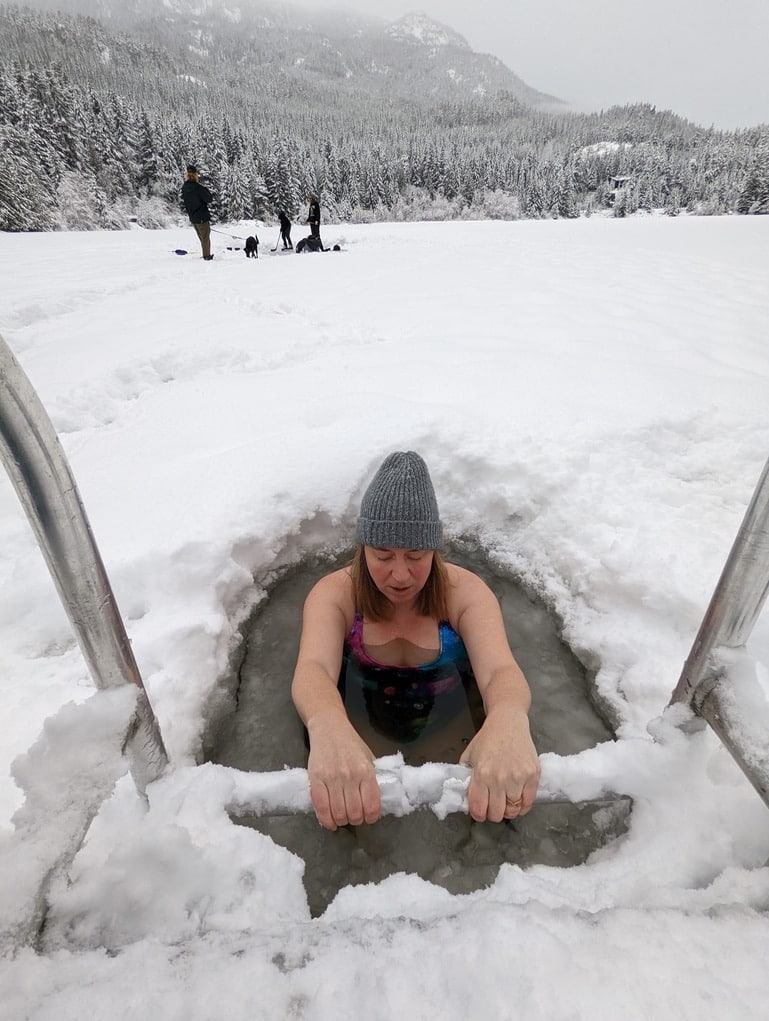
(263, 733)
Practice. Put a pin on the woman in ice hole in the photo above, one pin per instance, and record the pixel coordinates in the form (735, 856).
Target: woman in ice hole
(387, 646)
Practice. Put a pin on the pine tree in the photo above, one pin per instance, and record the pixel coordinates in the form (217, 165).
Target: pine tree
(235, 195)
(25, 190)
(148, 159)
(281, 177)
(754, 196)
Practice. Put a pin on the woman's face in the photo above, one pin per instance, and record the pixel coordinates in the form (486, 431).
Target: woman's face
(399, 574)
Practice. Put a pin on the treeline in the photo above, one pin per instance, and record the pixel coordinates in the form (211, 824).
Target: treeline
(95, 132)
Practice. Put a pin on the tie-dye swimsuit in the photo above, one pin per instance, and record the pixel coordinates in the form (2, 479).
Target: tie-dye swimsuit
(405, 703)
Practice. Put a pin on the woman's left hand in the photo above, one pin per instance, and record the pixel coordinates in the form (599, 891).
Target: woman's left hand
(505, 767)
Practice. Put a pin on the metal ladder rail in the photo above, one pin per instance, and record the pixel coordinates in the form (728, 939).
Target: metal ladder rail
(43, 480)
(728, 622)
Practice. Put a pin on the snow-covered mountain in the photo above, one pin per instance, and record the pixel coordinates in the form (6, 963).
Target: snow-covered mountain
(413, 56)
(421, 30)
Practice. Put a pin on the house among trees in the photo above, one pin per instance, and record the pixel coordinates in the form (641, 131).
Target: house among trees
(619, 187)
(616, 183)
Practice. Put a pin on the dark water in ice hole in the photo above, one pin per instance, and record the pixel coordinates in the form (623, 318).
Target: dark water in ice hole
(264, 733)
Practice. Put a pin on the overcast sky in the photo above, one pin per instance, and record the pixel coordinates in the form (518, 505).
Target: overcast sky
(704, 59)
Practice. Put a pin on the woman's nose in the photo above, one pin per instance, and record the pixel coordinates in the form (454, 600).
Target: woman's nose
(400, 569)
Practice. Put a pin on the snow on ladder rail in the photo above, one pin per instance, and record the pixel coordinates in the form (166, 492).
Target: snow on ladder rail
(441, 787)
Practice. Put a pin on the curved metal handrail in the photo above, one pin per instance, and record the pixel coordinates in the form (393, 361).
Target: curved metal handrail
(738, 597)
(734, 608)
(43, 479)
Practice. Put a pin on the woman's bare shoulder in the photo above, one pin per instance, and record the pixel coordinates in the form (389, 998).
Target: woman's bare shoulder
(327, 616)
(463, 580)
(334, 588)
(465, 586)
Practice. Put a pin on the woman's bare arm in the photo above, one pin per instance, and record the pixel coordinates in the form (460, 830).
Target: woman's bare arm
(343, 785)
(502, 754)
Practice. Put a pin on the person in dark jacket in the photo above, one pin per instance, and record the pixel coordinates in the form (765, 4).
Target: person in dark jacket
(285, 229)
(313, 216)
(196, 199)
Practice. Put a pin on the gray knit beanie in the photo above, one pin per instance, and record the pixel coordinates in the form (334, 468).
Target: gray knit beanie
(399, 509)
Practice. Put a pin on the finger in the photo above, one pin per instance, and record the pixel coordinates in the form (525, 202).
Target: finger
(513, 806)
(529, 794)
(477, 800)
(322, 805)
(497, 806)
(363, 801)
(372, 799)
(338, 805)
(353, 805)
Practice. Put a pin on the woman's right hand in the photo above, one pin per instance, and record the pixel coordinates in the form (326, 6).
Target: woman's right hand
(343, 786)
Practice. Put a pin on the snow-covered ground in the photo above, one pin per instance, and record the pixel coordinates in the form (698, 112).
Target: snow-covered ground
(591, 397)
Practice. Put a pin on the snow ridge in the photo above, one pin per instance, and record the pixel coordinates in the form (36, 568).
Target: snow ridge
(419, 29)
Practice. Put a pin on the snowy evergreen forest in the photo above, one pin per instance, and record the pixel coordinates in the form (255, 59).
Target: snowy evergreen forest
(98, 120)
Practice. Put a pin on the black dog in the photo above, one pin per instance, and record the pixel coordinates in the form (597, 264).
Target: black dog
(252, 247)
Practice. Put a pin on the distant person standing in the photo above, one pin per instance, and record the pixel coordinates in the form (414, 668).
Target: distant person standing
(313, 217)
(285, 229)
(196, 199)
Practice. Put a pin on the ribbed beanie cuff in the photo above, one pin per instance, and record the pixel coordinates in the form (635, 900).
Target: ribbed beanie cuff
(399, 509)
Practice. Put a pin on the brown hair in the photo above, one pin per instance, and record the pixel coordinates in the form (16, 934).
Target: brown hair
(432, 601)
